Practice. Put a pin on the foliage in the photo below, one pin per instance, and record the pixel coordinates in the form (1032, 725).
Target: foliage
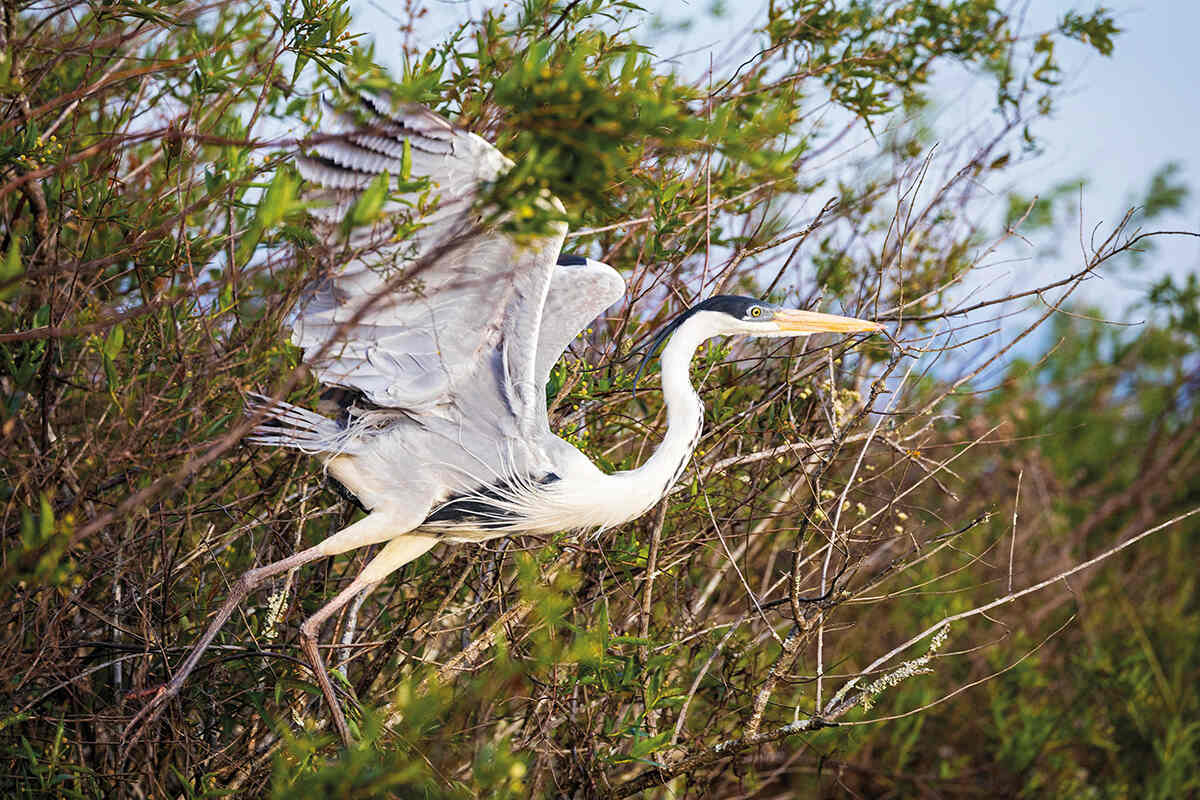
(845, 497)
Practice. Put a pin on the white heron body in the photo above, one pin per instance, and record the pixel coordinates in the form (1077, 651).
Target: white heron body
(445, 341)
(543, 484)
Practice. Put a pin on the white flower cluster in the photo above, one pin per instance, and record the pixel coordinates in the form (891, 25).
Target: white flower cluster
(843, 401)
(906, 670)
(274, 613)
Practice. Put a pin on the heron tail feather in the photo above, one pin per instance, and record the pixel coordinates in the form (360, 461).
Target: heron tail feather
(286, 425)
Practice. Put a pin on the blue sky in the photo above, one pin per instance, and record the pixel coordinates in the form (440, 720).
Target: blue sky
(1122, 118)
(1117, 120)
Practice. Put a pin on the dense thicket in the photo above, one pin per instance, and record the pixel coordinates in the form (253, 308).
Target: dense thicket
(768, 628)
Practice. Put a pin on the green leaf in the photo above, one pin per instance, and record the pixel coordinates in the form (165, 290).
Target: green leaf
(114, 341)
(226, 297)
(644, 747)
(1097, 30)
(366, 209)
(10, 269)
(301, 63)
(279, 199)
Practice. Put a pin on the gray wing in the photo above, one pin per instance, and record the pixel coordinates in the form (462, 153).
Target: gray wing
(580, 290)
(453, 308)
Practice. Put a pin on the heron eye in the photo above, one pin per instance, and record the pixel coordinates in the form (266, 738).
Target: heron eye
(756, 311)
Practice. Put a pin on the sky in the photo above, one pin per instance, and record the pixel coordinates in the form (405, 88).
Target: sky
(1118, 118)
(1121, 118)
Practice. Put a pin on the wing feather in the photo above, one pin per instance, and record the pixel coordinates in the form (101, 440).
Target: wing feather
(580, 291)
(455, 308)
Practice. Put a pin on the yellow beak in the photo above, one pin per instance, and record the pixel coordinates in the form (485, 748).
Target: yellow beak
(795, 321)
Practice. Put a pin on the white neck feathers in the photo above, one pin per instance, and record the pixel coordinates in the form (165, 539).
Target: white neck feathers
(633, 492)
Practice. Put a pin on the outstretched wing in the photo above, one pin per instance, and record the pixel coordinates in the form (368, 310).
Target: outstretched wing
(580, 290)
(453, 308)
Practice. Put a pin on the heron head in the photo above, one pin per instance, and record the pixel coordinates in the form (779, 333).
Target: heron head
(730, 315)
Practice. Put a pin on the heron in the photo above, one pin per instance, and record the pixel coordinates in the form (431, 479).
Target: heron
(438, 345)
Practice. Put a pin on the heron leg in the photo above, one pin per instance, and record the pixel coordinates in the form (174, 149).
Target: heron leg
(368, 530)
(350, 628)
(395, 554)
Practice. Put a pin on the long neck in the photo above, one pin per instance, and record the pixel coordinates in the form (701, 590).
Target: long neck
(685, 419)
